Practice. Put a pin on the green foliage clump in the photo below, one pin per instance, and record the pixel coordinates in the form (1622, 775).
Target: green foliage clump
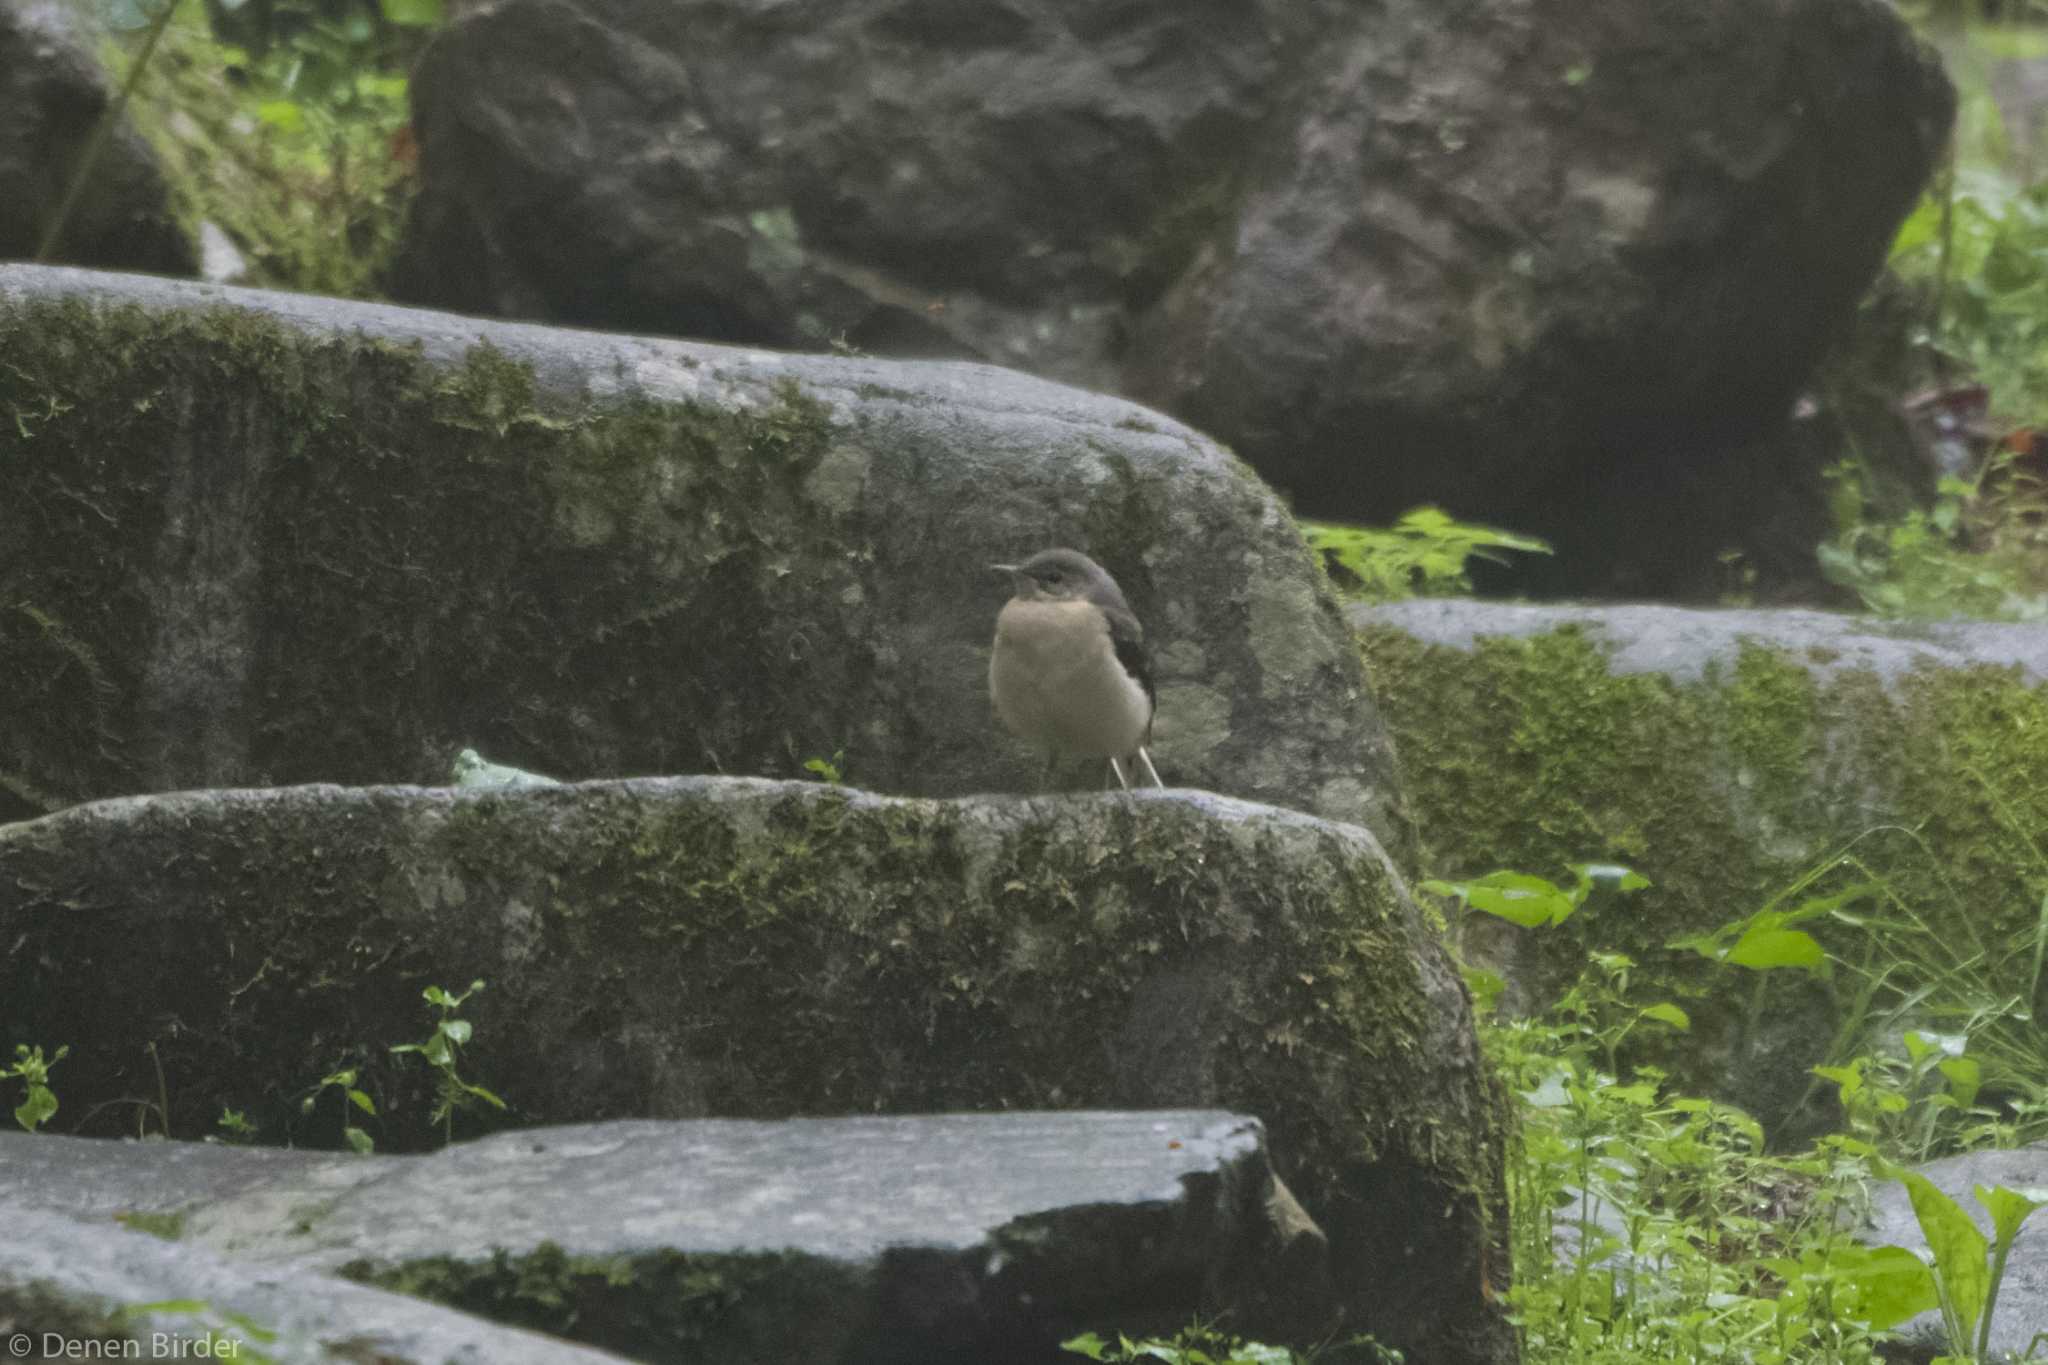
(1980, 551)
(1201, 1344)
(1648, 1224)
(1425, 554)
(301, 151)
(1974, 257)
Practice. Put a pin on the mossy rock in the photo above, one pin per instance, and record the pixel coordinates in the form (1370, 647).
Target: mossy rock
(723, 947)
(1729, 756)
(251, 538)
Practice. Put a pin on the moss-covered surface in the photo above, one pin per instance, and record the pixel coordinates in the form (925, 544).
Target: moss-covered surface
(748, 1309)
(691, 948)
(249, 539)
(1529, 753)
(410, 548)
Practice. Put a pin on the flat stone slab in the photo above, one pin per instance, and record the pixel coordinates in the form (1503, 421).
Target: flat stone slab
(1686, 643)
(74, 1288)
(992, 1235)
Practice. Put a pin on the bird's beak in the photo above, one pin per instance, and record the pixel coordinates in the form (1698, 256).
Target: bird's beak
(1004, 568)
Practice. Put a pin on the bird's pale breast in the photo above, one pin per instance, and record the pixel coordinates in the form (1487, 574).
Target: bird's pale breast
(1056, 681)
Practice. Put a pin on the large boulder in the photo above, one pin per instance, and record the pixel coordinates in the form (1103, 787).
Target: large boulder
(741, 948)
(1734, 757)
(249, 537)
(1556, 265)
(52, 95)
(847, 1241)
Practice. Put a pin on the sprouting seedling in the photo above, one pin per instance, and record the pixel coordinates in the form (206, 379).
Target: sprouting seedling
(441, 1050)
(33, 1070)
(344, 1081)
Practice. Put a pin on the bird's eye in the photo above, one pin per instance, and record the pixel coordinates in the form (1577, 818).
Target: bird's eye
(1052, 575)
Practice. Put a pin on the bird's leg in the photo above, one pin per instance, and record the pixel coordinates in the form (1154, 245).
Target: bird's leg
(1146, 759)
(1117, 771)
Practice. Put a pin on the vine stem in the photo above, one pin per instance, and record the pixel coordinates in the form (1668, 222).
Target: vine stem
(100, 132)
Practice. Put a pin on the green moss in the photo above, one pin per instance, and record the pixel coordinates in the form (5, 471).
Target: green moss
(418, 535)
(650, 1305)
(168, 1226)
(1531, 754)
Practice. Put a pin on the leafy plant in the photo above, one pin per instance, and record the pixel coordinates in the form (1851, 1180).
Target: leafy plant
(441, 1050)
(1194, 1346)
(1959, 1281)
(1981, 550)
(344, 1083)
(827, 770)
(33, 1071)
(235, 1126)
(300, 149)
(1425, 554)
(1200, 1344)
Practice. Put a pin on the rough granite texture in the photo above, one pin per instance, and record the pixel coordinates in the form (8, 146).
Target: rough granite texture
(1726, 755)
(250, 538)
(741, 948)
(987, 1237)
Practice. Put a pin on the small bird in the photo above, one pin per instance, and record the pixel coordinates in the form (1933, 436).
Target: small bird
(1069, 672)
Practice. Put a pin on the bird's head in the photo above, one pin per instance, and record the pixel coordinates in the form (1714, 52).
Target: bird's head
(1060, 576)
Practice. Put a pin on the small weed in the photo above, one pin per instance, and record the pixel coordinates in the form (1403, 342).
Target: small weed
(1425, 554)
(343, 1082)
(827, 770)
(234, 1126)
(441, 1050)
(33, 1071)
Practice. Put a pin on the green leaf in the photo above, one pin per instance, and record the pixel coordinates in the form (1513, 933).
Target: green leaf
(2009, 1208)
(1891, 1284)
(1087, 1344)
(1764, 949)
(37, 1109)
(1518, 898)
(457, 1031)
(362, 1102)
(1958, 1247)
(483, 1095)
(359, 1140)
(1965, 1078)
(1610, 876)
(1669, 1014)
(284, 115)
(413, 13)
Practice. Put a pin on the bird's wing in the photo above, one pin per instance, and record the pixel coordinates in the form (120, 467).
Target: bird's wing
(1128, 637)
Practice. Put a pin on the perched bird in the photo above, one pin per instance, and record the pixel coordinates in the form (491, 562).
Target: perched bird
(1069, 672)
